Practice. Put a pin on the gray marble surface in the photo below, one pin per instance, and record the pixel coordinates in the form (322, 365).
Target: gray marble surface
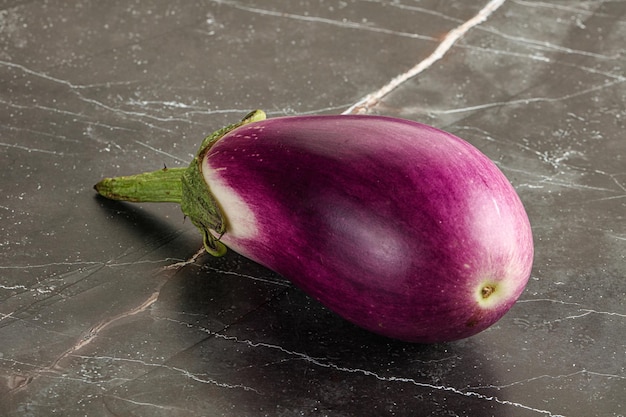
(108, 309)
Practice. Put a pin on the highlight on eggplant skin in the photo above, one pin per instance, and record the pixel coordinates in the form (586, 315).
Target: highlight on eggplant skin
(401, 228)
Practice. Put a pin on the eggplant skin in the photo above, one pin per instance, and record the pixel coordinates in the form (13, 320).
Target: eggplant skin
(398, 227)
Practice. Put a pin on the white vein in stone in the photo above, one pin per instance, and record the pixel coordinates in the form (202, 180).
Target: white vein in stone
(322, 362)
(450, 39)
(278, 282)
(109, 264)
(28, 149)
(75, 88)
(547, 46)
(530, 100)
(423, 10)
(583, 372)
(316, 19)
(6, 316)
(583, 311)
(157, 406)
(540, 4)
(179, 159)
(193, 376)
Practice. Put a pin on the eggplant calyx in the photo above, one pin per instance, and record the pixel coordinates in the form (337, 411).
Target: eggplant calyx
(198, 203)
(185, 186)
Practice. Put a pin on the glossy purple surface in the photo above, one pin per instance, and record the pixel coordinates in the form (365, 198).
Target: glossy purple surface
(394, 225)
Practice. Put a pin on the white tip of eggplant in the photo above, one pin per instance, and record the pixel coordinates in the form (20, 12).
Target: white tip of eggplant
(240, 219)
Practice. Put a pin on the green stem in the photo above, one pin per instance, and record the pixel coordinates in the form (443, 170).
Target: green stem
(162, 186)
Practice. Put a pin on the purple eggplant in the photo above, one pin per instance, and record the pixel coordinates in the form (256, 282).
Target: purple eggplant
(398, 227)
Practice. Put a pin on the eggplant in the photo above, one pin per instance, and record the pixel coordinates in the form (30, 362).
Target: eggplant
(398, 227)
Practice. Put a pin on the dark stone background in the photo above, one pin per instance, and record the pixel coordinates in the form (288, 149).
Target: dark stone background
(105, 312)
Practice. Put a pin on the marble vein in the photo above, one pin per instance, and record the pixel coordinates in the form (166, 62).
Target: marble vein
(548, 46)
(586, 312)
(84, 379)
(140, 115)
(153, 405)
(530, 100)
(324, 363)
(188, 109)
(582, 372)
(423, 10)
(161, 103)
(316, 19)
(44, 108)
(88, 337)
(582, 311)
(6, 316)
(29, 149)
(109, 264)
(540, 4)
(278, 282)
(201, 252)
(616, 236)
(161, 152)
(370, 100)
(76, 89)
(190, 261)
(45, 76)
(495, 51)
(39, 133)
(186, 373)
(552, 180)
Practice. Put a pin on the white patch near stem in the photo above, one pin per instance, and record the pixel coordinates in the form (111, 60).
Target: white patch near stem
(240, 219)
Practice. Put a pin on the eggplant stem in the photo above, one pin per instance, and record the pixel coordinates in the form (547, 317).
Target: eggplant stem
(162, 186)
